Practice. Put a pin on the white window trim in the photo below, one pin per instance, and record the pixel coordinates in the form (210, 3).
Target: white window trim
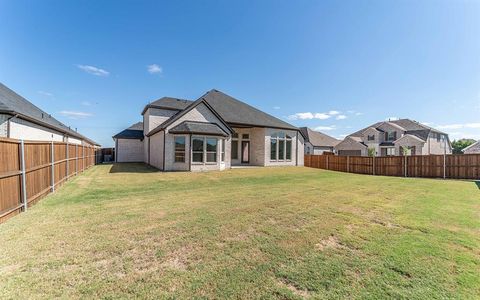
(277, 145)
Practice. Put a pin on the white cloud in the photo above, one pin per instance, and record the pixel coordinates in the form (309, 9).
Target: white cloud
(153, 69)
(75, 114)
(93, 70)
(358, 113)
(341, 117)
(464, 135)
(333, 112)
(85, 103)
(459, 126)
(309, 116)
(324, 128)
(342, 136)
(276, 107)
(45, 93)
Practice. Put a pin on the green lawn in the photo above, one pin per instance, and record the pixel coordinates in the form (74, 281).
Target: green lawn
(271, 233)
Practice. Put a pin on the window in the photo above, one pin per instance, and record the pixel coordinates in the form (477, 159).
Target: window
(391, 136)
(289, 150)
(197, 150)
(245, 136)
(439, 136)
(211, 150)
(234, 150)
(180, 149)
(223, 150)
(390, 151)
(371, 138)
(280, 147)
(273, 148)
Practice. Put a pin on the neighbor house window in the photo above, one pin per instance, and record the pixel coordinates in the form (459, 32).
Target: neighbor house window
(212, 150)
(371, 138)
(280, 147)
(223, 150)
(180, 149)
(245, 136)
(197, 150)
(390, 151)
(234, 150)
(391, 136)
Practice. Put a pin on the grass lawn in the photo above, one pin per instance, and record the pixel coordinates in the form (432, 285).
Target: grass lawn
(273, 233)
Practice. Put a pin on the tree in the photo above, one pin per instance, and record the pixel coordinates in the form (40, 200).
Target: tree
(461, 144)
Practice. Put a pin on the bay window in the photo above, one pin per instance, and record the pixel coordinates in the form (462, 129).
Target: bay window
(280, 147)
(197, 150)
(211, 150)
(204, 149)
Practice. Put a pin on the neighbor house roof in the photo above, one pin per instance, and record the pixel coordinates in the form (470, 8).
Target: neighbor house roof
(168, 103)
(14, 104)
(472, 146)
(198, 128)
(409, 126)
(318, 139)
(133, 132)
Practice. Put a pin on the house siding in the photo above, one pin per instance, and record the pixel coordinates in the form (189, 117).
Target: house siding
(156, 150)
(22, 129)
(129, 150)
(154, 117)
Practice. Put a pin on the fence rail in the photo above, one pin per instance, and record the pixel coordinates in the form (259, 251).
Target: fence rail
(466, 166)
(30, 170)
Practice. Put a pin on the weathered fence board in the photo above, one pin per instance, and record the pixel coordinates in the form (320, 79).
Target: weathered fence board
(466, 166)
(43, 161)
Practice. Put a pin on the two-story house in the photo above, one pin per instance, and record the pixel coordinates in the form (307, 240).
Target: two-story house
(397, 137)
(214, 132)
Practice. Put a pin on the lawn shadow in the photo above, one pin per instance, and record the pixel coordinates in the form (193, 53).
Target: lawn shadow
(132, 168)
(477, 182)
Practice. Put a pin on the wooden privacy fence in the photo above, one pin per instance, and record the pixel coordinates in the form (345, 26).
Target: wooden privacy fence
(30, 170)
(466, 166)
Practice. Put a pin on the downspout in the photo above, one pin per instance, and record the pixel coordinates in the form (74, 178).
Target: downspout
(8, 124)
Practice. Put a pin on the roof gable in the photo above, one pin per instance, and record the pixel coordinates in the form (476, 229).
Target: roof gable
(168, 103)
(318, 139)
(135, 131)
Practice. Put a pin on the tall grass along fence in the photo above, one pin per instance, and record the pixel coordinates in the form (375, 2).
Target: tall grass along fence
(30, 170)
(466, 166)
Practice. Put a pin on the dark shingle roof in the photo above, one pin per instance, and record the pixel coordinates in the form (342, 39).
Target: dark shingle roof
(234, 111)
(168, 103)
(318, 139)
(11, 102)
(133, 132)
(198, 128)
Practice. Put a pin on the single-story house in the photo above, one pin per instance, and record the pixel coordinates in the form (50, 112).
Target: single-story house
(20, 119)
(317, 142)
(214, 132)
(472, 149)
(393, 137)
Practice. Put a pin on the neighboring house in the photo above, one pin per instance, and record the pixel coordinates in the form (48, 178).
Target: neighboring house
(472, 149)
(214, 132)
(20, 119)
(392, 137)
(318, 142)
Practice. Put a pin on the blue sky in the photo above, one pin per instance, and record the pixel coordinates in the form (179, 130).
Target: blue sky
(333, 65)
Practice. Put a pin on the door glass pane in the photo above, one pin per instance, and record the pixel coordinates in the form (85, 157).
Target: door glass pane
(245, 152)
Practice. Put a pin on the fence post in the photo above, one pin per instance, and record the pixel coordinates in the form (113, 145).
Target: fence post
(444, 166)
(67, 166)
(52, 166)
(348, 164)
(328, 164)
(373, 164)
(76, 159)
(406, 157)
(24, 181)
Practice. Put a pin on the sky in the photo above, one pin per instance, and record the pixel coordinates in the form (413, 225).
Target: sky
(334, 66)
